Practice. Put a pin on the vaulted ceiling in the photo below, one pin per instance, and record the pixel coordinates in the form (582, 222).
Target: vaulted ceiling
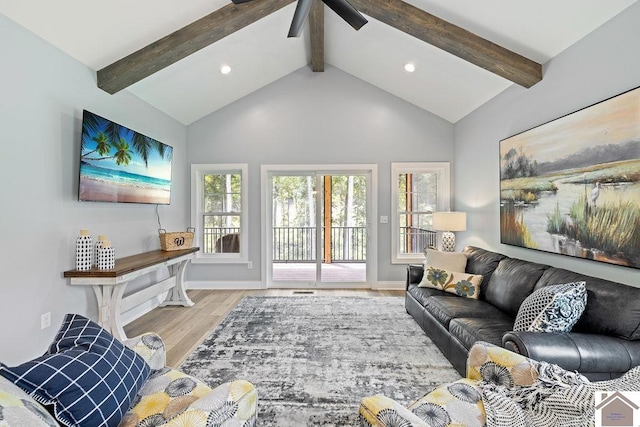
(169, 52)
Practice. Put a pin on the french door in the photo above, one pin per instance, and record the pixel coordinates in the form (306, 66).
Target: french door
(318, 227)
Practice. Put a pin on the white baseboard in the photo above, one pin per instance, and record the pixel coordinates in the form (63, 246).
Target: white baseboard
(224, 285)
(240, 285)
(389, 286)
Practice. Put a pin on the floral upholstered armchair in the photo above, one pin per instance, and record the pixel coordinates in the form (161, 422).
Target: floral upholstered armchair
(502, 389)
(180, 400)
(87, 378)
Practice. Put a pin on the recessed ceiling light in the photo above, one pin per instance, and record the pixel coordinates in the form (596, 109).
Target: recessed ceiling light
(409, 67)
(225, 69)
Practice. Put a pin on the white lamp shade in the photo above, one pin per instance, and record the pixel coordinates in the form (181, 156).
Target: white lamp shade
(450, 221)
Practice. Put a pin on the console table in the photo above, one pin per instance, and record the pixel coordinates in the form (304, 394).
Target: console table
(109, 285)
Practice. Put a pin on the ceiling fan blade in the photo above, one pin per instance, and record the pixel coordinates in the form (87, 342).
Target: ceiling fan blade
(240, 1)
(347, 12)
(300, 17)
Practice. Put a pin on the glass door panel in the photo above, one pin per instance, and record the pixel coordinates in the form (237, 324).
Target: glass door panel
(344, 228)
(294, 246)
(318, 228)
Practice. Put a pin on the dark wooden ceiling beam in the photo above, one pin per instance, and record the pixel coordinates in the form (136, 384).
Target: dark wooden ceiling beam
(453, 39)
(184, 42)
(316, 28)
(396, 13)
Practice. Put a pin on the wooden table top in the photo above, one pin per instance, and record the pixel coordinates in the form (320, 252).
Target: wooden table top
(132, 263)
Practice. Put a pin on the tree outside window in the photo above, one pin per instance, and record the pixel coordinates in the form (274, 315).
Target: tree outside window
(418, 190)
(220, 211)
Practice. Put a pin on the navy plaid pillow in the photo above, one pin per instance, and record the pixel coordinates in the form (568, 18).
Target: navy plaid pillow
(90, 377)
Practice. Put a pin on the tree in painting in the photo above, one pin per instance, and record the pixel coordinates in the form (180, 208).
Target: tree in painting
(572, 186)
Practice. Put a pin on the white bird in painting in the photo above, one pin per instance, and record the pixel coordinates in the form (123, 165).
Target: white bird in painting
(595, 193)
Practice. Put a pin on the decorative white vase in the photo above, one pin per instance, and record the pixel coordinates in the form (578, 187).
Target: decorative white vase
(101, 238)
(106, 256)
(84, 251)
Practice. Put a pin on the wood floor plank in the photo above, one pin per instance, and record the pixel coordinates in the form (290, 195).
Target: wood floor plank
(184, 328)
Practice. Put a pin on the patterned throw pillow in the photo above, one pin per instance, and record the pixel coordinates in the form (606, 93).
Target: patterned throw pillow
(89, 376)
(462, 284)
(555, 308)
(452, 261)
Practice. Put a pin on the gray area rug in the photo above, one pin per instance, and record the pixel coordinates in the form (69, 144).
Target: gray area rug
(313, 359)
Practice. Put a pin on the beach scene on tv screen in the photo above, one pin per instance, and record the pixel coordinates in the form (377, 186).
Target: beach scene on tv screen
(118, 164)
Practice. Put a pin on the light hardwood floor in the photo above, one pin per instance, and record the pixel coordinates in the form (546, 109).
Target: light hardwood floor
(183, 328)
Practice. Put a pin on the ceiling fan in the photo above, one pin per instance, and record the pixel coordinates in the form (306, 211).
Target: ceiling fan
(341, 7)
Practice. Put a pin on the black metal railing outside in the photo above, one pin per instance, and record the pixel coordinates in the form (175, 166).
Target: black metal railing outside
(415, 240)
(213, 237)
(294, 244)
(298, 244)
(348, 244)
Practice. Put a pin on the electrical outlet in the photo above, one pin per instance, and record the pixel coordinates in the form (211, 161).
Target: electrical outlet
(45, 320)
(250, 265)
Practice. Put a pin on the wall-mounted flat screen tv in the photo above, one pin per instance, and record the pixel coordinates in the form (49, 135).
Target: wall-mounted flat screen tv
(118, 164)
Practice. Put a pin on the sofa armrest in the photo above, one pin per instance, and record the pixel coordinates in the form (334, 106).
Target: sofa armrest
(151, 347)
(414, 274)
(381, 411)
(488, 362)
(585, 353)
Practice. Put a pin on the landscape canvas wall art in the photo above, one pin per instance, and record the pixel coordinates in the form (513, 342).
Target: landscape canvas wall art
(118, 164)
(572, 186)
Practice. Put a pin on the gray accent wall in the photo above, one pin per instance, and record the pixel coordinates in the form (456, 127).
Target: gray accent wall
(42, 94)
(316, 118)
(601, 65)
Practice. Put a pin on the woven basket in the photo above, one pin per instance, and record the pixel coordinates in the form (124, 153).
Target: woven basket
(176, 241)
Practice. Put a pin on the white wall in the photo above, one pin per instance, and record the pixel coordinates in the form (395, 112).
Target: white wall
(42, 94)
(316, 118)
(601, 65)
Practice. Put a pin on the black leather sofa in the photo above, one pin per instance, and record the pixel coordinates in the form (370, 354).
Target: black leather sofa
(604, 343)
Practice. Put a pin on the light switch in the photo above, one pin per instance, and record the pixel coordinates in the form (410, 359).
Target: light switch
(384, 219)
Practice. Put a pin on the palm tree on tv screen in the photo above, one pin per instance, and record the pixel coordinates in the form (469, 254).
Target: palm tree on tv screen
(108, 135)
(123, 153)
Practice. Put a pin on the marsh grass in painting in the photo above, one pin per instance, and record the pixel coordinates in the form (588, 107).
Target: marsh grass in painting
(572, 186)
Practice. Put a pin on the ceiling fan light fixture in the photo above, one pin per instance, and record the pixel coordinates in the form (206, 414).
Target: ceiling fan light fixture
(225, 69)
(409, 67)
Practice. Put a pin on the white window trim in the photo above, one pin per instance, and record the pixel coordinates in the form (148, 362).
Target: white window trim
(444, 197)
(197, 173)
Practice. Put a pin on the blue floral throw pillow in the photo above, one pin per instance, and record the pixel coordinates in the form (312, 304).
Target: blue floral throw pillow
(88, 376)
(462, 284)
(555, 308)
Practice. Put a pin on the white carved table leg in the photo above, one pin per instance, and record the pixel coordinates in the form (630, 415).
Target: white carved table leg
(103, 296)
(109, 299)
(178, 295)
(117, 327)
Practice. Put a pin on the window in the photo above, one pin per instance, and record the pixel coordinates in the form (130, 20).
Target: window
(417, 190)
(219, 212)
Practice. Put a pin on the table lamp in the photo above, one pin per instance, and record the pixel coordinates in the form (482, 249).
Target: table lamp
(447, 222)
